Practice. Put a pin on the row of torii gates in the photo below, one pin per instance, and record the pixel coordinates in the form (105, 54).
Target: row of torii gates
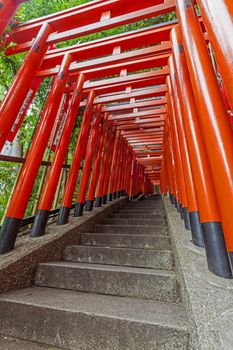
(157, 104)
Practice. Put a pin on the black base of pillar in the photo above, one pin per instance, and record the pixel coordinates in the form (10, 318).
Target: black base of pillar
(178, 206)
(104, 199)
(181, 212)
(176, 203)
(78, 210)
(8, 234)
(123, 194)
(114, 195)
(110, 197)
(216, 252)
(231, 259)
(196, 229)
(63, 217)
(98, 202)
(39, 226)
(186, 219)
(89, 205)
(119, 194)
(172, 198)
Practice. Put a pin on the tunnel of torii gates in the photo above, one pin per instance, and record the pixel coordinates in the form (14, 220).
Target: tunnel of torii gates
(158, 107)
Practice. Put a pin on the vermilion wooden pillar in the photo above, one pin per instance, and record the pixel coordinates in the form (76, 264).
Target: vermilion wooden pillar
(97, 165)
(177, 152)
(116, 188)
(91, 147)
(124, 170)
(188, 174)
(128, 179)
(218, 19)
(168, 163)
(121, 170)
(113, 166)
(79, 153)
(215, 127)
(52, 180)
(127, 170)
(132, 179)
(22, 192)
(19, 89)
(207, 201)
(172, 165)
(102, 190)
(116, 169)
(7, 11)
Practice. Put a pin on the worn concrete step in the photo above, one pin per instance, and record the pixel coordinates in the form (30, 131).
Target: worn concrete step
(157, 206)
(8, 343)
(155, 259)
(137, 216)
(133, 229)
(79, 321)
(141, 211)
(126, 241)
(144, 283)
(141, 214)
(134, 221)
(144, 204)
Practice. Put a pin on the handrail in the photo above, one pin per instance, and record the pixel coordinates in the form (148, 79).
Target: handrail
(20, 160)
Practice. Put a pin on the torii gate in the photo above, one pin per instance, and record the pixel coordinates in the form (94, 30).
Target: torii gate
(154, 114)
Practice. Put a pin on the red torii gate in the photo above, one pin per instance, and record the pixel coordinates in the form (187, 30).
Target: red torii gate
(167, 126)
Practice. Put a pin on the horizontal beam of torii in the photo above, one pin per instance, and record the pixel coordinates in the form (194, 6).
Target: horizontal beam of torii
(95, 64)
(104, 18)
(135, 104)
(155, 91)
(112, 69)
(129, 82)
(150, 159)
(142, 150)
(138, 123)
(156, 142)
(146, 113)
(150, 137)
(133, 127)
(110, 45)
(142, 131)
(135, 144)
(146, 154)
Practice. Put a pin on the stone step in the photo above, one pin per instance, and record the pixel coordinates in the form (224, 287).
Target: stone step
(79, 321)
(8, 343)
(137, 215)
(144, 203)
(133, 229)
(134, 221)
(142, 212)
(155, 259)
(143, 283)
(126, 210)
(126, 241)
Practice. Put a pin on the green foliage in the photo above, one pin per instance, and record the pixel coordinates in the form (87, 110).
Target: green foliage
(8, 175)
(39, 8)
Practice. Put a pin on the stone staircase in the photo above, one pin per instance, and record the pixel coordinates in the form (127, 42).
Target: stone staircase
(115, 291)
